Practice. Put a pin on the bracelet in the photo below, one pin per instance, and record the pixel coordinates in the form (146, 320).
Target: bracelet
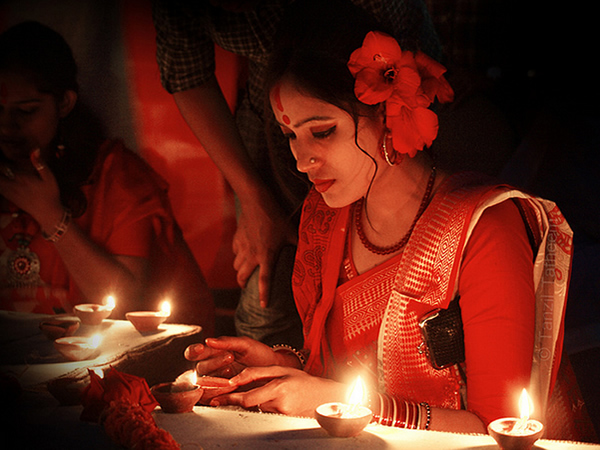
(60, 229)
(428, 414)
(400, 413)
(290, 349)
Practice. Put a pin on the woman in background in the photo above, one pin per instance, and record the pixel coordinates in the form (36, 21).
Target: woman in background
(82, 217)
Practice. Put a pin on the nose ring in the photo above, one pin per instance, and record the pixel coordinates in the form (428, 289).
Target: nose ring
(312, 160)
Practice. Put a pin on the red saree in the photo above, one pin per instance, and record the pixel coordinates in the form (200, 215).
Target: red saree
(427, 275)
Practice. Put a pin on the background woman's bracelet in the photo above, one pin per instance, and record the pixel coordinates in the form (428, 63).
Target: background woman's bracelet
(289, 349)
(60, 229)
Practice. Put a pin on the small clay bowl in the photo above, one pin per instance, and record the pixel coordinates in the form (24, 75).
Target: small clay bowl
(214, 386)
(176, 398)
(76, 348)
(335, 425)
(499, 430)
(146, 320)
(57, 328)
(92, 313)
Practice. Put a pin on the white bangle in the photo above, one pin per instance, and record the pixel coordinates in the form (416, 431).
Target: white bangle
(60, 229)
(290, 349)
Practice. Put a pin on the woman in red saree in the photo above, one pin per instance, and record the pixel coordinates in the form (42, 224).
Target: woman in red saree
(386, 238)
(81, 217)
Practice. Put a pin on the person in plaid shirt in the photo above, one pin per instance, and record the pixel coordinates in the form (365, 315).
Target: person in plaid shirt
(268, 188)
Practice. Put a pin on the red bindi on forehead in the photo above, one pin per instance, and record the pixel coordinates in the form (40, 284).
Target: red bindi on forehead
(278, 104)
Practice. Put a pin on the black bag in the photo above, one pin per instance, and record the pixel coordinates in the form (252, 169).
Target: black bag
(443, 336)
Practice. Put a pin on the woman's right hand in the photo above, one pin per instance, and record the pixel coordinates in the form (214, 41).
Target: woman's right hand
(227, 356)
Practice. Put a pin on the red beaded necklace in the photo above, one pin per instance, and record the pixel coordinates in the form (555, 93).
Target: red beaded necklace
(358, 208)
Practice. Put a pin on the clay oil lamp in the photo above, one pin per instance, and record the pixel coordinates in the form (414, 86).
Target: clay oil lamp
(512, 433)
(149, 320)
(57, 328)
(78, 348)
(179, 396)
(345, 419)
(93, 313)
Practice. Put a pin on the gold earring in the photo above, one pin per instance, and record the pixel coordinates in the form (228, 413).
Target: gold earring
(395, 158)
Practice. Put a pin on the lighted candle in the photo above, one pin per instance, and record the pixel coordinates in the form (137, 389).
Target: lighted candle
(187, 378)
(77, 348)
(93, 313)
(525, 409)
(149, 320)
(109, 302)
(346, 419)
(165, 308)
(356, 397)
(511, 433)
(179, 396)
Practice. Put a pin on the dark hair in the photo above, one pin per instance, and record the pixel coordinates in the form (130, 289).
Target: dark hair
(313, 46)
(41, 52)
(42, 55)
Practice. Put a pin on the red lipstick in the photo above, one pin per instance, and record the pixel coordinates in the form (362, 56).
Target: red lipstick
(323, 185)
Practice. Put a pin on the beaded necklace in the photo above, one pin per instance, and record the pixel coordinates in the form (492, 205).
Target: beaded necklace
(402, 242)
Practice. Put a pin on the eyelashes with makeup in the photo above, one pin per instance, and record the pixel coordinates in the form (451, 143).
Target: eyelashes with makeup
(317, 135)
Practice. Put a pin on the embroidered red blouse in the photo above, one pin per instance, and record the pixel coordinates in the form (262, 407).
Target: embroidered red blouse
(498, 307)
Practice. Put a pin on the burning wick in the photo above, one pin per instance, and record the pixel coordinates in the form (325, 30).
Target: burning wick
(345, 419)
(517, 434)
(525, 408)
(165, 308)
(109, 302)
(356, 398)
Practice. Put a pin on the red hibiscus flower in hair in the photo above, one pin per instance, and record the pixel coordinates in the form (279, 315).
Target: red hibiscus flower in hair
(412, 129)
(382, 69)
(433, 82)
(408, 83)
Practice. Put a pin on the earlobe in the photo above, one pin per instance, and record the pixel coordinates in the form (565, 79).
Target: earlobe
(68, 103)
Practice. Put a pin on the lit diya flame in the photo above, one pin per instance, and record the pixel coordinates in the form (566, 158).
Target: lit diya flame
(189, 377)
(77, 348)
(525, 410)
(346, 419)
(357, 393)
(95, 341)
(93, 313)
(512, 433)
(179, 396)
(149, 320)
(165, 308)
(109, 302)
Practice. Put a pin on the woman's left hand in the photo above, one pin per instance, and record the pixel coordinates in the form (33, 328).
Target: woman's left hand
(282, 390)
